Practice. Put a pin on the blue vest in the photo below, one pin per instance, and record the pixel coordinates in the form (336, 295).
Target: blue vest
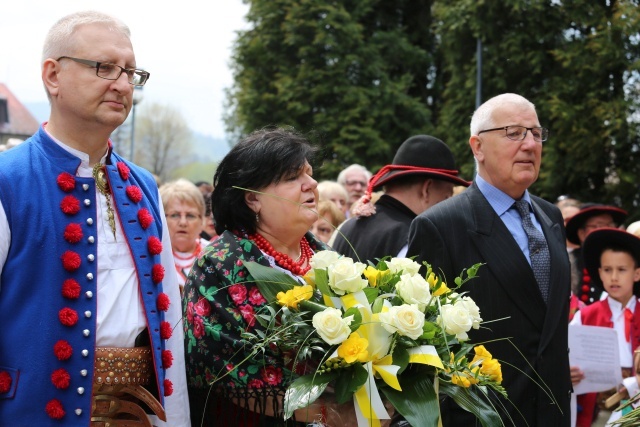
(48, 327)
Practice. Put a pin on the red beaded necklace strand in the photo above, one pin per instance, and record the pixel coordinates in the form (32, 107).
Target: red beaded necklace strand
(284, 260)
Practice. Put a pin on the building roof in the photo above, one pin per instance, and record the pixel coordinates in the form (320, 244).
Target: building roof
(21, 121)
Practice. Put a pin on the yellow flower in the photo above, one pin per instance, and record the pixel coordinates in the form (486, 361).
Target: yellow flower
(433, 281)
(465, 379)
(374, 276)
(492, 369)
(292, 297)
(482, 355)
(354, 349)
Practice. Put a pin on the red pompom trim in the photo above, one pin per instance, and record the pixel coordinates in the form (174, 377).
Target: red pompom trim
(5, 379)
(168, 387)
(163, 302)
(70, 205)
(68, 316)
(54, 409)
(61, 378)
(165, 330)
(155, 245)
(66, 182)
(157, 273)
(167, 359)
(71, 261)
(71, 289)
(145, 218)
(73, 233)
(134, 193)
(123, 169)
(63, 350)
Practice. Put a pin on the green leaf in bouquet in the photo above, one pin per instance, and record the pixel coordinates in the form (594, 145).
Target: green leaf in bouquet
(312, 306)
(418, 400)
(322, 281)
(475, 402)
(429, 331)
(357, 318)
(371, 293)
(349, 381)
(377, 305)
(400, 357)
(305, 390)
(270, 281)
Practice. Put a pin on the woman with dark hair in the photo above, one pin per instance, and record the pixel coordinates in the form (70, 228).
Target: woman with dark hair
(263, 203)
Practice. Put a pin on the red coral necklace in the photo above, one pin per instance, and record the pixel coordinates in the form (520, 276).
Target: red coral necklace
(298, 267)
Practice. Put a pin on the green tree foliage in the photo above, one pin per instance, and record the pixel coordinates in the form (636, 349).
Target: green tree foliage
(365, 75)
(592, 104)
(357, 73)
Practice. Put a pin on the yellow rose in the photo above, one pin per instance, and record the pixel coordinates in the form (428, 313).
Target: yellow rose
(292, 297)
(354, 349)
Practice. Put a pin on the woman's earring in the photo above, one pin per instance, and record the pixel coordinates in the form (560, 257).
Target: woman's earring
(257, 217)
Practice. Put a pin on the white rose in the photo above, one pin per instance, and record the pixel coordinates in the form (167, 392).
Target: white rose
(346, 276)
(472, 309)
(331, 327)
(404, 265)
(406, 319)
(456, 319)
(323, 259)
(414, 290)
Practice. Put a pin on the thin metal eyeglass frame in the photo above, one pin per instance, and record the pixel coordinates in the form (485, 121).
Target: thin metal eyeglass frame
(543, 131)
(130, 71)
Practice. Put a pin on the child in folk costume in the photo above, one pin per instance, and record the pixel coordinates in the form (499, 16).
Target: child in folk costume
(614, 256)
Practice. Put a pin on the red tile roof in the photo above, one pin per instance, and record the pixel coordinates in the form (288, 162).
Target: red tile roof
(21, 121)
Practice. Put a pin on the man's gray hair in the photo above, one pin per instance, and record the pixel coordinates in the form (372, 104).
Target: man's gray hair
(59, 40)
(342, 177)
(483, 117)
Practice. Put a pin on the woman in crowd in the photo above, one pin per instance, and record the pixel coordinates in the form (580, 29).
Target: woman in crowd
(329, 218)
(334, 192)
(264, 203)
(184, 208)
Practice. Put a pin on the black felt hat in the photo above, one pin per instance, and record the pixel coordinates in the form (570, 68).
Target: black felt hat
(603, 238)
(420, 155)
(588, 210)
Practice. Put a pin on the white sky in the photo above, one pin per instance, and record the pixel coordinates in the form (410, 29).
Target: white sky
(184, 44)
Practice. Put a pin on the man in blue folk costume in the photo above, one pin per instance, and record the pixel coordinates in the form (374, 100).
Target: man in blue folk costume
(89, 302)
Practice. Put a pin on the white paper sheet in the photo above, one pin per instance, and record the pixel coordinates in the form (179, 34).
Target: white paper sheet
(595, 350)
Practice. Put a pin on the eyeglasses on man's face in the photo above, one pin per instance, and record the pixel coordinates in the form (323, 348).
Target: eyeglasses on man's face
(519, 133)
(109, 71)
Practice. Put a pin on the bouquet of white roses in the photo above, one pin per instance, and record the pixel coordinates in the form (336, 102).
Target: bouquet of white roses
(379, 329)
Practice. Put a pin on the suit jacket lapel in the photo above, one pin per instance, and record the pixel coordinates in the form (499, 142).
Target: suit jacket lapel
(504, 258)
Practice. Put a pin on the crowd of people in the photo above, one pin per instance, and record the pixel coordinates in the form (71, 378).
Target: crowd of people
(146, 297)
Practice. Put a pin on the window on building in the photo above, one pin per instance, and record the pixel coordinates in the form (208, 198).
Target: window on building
(4, 111)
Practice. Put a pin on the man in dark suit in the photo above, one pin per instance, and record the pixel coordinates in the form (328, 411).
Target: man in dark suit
(529, 305)
(422, 174)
